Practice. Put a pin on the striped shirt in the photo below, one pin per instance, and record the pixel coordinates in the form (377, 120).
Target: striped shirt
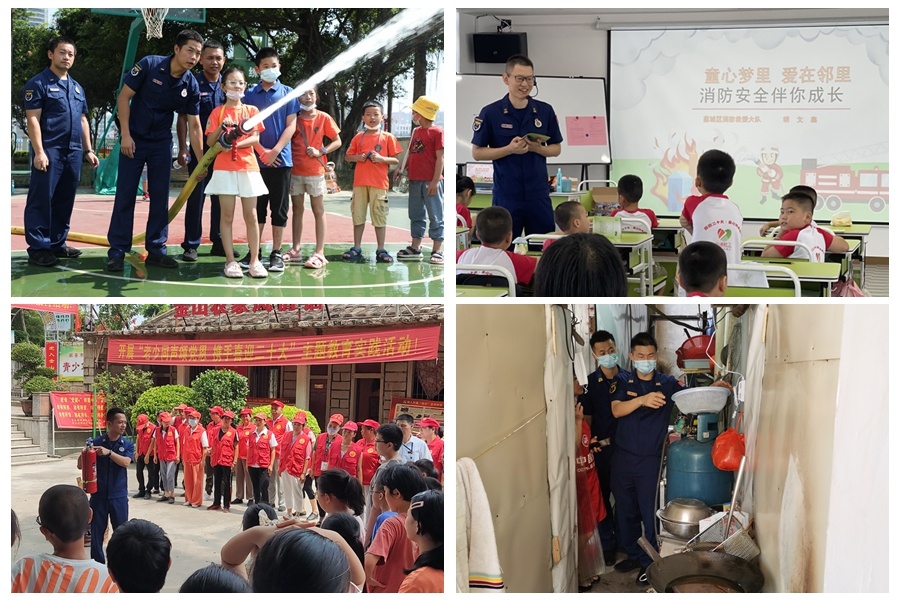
(46, 573)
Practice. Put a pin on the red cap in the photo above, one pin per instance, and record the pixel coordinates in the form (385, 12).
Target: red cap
(246, 411)
(142, 419)
(260, 415)
(276, 403)
(336, 418)
(371, 423)
(216, 409)
(300, 417)
(181, 406)
(228, 413)
(165, 417)
(429, 422)
(194, 413)
(351, 426)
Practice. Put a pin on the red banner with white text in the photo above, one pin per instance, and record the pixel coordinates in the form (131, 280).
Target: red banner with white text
(76, 410)
(387, 345)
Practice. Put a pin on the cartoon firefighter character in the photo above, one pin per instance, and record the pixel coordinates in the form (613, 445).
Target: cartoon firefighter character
(770, 174)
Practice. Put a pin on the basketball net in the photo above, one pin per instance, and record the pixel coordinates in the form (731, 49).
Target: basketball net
(153, 18)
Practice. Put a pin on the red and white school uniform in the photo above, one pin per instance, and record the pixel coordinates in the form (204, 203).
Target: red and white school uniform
(646, 216)
(816, 238)
(520, 265)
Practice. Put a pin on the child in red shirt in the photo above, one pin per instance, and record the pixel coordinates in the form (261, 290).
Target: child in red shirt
(373, 151)
(426, 182)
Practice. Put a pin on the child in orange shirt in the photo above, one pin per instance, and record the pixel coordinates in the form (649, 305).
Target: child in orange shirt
(236, 172)
(310, 151)
(373, 150)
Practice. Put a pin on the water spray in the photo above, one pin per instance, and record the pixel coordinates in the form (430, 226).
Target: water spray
(404, 25)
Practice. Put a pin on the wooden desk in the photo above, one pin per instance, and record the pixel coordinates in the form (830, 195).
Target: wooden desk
(480, 201)
(480, 291)
(822, 274)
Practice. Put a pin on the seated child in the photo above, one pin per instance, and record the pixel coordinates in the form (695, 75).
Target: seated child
(796, 225)
(702, 270)
(803, 189)
(465, 189)
(570, 218)
(139, 556)
(581, 264)
(63, 517)
(493, 225)
(630, 189)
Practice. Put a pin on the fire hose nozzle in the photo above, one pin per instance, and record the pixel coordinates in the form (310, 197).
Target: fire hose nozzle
(231, 134)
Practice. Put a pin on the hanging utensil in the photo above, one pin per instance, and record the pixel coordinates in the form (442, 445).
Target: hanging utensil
(737, 485)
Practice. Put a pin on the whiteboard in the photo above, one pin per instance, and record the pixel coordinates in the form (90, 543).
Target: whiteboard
(579, 102)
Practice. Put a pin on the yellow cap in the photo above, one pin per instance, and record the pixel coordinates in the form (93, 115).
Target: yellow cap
(426, 107)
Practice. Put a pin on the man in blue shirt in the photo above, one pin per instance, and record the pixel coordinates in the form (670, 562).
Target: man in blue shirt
(602, 384)
(502, 135)
(154, 90)
(212, 58)
(110, 503)
(56, 114)
(273, 152)
(643, 407)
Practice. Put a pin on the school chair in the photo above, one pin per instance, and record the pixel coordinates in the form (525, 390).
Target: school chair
(462, 234)
(486, 276)
(757, 244)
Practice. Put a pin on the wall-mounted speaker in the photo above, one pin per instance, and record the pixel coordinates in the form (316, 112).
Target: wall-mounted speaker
(498, 47)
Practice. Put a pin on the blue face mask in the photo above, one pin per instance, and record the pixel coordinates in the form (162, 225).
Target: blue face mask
(645, 367)
(192, 422)
(608, 361)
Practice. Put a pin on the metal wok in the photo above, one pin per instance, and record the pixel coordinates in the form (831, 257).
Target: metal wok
(702, 571)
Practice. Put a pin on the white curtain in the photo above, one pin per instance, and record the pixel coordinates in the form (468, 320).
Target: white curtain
(584, 363)
(752, 394)
(559, 395)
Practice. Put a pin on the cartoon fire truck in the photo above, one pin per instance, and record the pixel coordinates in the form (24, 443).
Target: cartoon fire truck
(837, 184)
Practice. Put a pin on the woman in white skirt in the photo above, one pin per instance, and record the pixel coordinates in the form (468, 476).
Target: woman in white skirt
(236, 172)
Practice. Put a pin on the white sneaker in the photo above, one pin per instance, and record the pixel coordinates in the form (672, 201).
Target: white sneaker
(233, 271)
(187, 504)
(258, 270)
(207, 496)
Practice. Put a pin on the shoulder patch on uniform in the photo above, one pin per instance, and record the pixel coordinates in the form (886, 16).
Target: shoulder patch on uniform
(631, 393)
(476, 125)
(135, 70)
(29, 94)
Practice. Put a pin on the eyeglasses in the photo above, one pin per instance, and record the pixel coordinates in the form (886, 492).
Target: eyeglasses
(523, 79)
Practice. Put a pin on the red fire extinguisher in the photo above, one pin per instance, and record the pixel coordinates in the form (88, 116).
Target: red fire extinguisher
(89, 469)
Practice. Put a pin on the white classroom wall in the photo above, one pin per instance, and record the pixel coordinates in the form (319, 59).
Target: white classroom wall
(570, 45)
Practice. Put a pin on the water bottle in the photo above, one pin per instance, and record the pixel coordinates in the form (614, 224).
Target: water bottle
(559, 180)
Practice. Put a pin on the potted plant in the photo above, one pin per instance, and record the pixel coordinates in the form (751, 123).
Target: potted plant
(35, 385)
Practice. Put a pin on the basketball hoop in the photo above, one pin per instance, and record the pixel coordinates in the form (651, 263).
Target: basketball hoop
(153, 18)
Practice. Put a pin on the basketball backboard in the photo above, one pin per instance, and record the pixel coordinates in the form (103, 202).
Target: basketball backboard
(186, 15)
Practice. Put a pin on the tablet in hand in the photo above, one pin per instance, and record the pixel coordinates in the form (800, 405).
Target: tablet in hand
(537, 137)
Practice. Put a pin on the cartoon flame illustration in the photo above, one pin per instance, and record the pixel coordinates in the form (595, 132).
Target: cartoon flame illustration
(681, 155)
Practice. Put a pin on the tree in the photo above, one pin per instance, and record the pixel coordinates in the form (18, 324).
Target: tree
(223, 387)
(120, 317)
(29, 57)
(165, 397)
(125, 389)
(28, 326)
(31, 357)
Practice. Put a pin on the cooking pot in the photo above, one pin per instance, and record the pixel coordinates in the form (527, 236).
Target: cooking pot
(681, 517)
(701, 571)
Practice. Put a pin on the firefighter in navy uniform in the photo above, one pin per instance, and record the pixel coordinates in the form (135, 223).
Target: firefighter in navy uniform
(56, 113)
(642, 405)
(501, 134)
(110, 503)
(602, 384)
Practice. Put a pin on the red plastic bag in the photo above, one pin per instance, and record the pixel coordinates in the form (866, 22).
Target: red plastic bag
(728, 449)
(847, 289)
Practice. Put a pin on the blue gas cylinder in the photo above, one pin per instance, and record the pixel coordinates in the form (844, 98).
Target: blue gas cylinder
(690, 473)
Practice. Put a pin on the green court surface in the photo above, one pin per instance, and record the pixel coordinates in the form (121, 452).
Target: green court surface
(85, 277)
